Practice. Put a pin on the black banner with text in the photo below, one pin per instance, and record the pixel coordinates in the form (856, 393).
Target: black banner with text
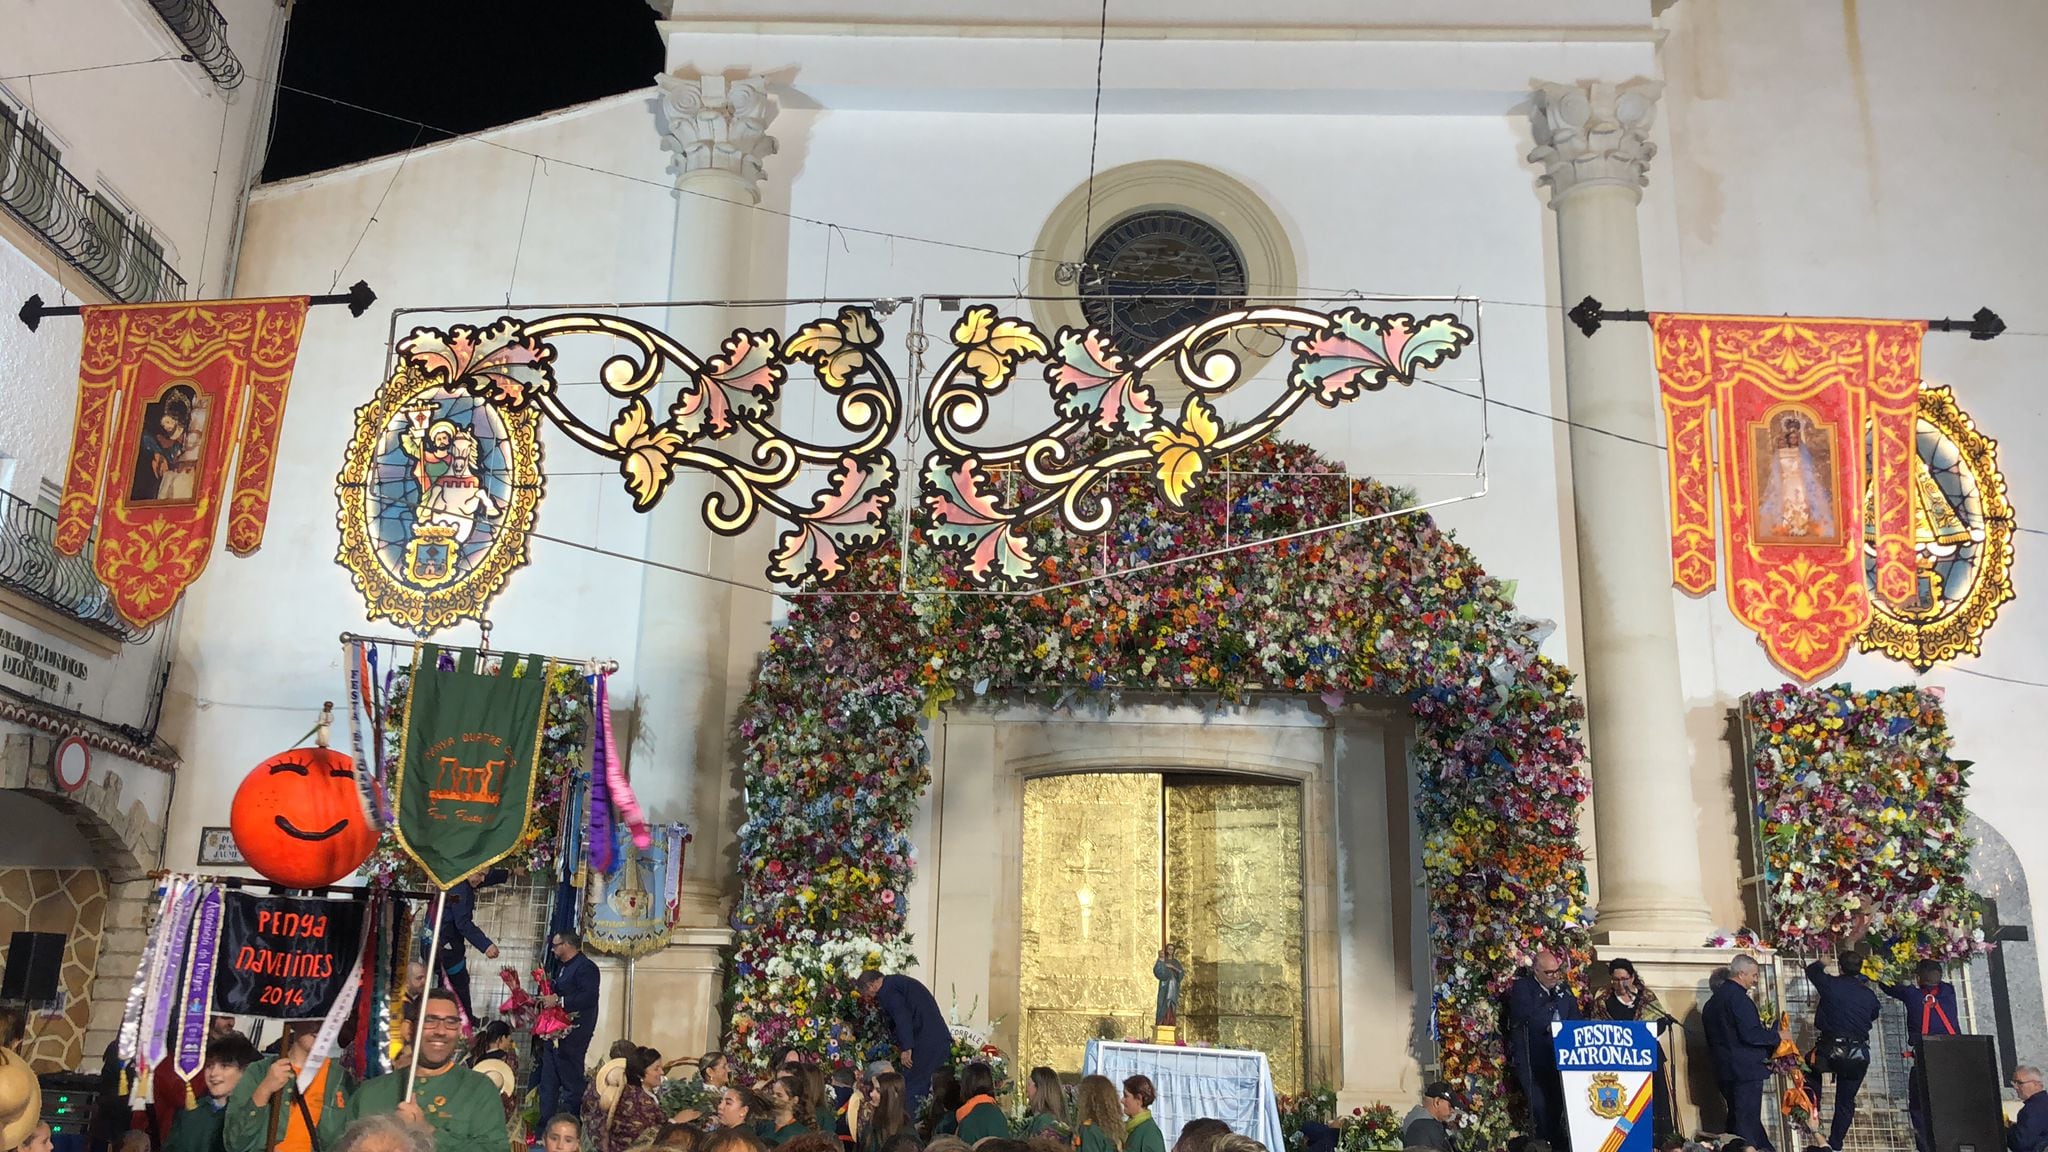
(285, 959)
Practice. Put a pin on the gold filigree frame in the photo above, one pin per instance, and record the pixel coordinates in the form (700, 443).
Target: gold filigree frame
(1925, 641)
(416, 607)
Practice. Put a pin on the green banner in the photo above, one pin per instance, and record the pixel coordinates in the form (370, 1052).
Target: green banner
(466, 766)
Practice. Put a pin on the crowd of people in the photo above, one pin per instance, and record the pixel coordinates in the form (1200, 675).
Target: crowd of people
(452, 1093)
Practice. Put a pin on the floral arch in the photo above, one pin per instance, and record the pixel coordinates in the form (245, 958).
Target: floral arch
(835, 759)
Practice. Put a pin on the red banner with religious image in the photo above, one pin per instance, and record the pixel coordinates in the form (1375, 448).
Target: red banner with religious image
(1795, 405)
(169, 395)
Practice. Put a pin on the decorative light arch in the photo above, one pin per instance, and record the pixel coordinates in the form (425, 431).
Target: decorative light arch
(835, 758)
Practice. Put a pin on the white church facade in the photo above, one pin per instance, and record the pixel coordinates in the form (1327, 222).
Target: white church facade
(1751, 158)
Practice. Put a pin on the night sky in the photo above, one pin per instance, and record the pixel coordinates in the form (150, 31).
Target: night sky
(459, 65)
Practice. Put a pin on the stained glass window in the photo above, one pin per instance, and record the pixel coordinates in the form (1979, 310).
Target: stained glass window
(1139, 263)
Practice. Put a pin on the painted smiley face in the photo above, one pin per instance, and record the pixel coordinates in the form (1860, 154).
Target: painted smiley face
(298, 818)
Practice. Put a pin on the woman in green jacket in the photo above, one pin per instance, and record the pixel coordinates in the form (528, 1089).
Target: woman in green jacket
(1046, 1105)
(979, 1115)
(786, 1110)
(1141, 1133)
(1098, 1122)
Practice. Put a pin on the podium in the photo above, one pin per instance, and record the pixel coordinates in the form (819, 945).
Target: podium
(1609, 1071)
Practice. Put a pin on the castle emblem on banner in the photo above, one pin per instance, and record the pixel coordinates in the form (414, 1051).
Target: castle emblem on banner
(437, 494)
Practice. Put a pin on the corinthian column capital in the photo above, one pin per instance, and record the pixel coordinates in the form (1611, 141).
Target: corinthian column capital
(715, 124)
(1594, 134)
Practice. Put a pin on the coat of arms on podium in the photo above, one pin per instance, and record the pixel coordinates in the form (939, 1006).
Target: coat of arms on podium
(1605, 1095)
(437, 494)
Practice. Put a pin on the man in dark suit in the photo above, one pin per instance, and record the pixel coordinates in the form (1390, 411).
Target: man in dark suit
(924, 1041)
(1846, 1010)
(1930, 1011)
(560, 1083)
(1535, 1001)
(1741, 1048)
(2029, 1131)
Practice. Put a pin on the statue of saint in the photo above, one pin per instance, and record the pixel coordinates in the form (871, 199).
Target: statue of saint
(1169, 973)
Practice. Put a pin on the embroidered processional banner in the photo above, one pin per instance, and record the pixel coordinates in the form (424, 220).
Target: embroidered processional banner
(173, 399)
(466, 766)
(285, 958)
(1792, 401)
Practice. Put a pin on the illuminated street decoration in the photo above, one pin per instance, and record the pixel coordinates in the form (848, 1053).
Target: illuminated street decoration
(1110, 420)
(437, 494)
(720, 421)
(1962, 543)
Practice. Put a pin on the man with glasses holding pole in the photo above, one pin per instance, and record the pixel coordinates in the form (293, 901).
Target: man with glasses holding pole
(460, 1104)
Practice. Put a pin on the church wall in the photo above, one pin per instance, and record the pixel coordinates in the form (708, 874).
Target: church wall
(1864, 160)
(1434, 205)
(258, 650)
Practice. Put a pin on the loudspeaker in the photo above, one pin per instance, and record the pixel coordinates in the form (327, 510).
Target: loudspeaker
(33, 959)
(1963, 1109)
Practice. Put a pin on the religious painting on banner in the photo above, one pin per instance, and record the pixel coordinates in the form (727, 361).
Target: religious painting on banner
(466, 760)
(437, 493)
(174, 399)
(283, 958)
(1608, 1070)
(632, 907)
(1783, 406)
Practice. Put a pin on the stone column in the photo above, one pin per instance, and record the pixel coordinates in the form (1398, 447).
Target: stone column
(1592, 141)
(718, 130)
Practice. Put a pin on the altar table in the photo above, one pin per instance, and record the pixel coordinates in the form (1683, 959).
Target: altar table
(1231, 1086)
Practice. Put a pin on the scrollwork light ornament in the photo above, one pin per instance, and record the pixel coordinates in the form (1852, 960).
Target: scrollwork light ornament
(721, 420)
(1108, 419)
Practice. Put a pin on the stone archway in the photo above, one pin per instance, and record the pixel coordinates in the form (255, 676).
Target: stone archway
(126, 845)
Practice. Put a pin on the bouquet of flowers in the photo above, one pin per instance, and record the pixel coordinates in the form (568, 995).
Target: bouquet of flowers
(1318, 1105)
(1374, 1129)
(971, 1042)
(553, 1019)
(690, 1092)
(517, 1003)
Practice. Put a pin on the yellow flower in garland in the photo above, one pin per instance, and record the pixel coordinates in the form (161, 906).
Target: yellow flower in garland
(1180, 450)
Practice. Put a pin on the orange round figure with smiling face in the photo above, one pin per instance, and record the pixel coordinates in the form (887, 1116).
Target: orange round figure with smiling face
(298, 818)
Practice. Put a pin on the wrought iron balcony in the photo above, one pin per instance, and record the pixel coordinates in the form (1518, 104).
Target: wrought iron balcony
(31, 566)
(203, 31)
(92, 232)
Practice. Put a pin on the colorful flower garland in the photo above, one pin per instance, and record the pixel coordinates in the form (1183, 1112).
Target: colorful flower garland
(1862, 813)
(835, 760)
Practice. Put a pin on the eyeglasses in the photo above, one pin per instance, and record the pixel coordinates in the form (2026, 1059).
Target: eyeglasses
(444, 1021)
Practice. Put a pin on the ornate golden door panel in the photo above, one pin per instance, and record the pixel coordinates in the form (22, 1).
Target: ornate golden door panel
(1112, 863)
(1091, 906)
(1233, 912)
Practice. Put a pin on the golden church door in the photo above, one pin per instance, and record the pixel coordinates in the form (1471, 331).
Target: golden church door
(1115, 863)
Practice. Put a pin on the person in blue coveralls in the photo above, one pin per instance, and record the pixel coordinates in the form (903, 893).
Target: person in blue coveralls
(1930, 1011)
(924, 1041)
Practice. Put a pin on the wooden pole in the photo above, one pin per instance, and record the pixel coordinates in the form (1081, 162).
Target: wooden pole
(419, 1028)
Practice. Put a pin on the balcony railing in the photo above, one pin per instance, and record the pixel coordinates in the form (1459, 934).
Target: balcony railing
(31, 566)
(92, 232)
(203, 31)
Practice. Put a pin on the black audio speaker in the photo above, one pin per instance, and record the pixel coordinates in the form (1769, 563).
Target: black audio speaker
(33, 959)
(1961, 1074)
